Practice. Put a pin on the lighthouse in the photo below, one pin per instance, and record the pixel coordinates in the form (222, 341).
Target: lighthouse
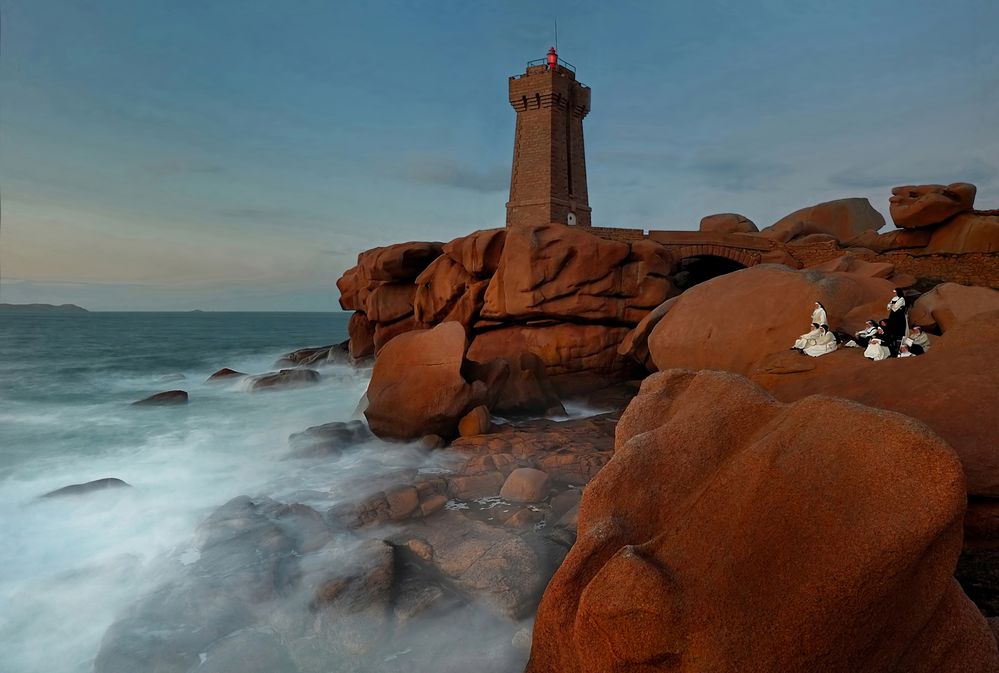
(548, 180)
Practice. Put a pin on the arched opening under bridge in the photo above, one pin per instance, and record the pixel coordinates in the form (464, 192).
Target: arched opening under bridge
(691, 271)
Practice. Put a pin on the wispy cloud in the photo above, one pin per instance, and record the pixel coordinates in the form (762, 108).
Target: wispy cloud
(450, 173)
(730, 172)
(739, 174)
(906, 172)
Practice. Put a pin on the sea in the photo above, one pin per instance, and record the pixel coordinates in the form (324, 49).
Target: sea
(71, 564)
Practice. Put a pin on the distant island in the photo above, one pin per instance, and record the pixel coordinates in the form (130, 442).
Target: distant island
(42, 308)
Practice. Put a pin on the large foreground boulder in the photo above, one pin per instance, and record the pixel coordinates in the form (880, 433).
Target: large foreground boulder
(734, 533)
(843, 219)
(738, 320)
(418, 388)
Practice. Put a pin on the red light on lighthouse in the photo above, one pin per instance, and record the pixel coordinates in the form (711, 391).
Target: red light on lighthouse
(552, 58)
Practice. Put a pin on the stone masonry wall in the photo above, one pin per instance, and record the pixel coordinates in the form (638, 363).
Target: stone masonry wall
(966, 269)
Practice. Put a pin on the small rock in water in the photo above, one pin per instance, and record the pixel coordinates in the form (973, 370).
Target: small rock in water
(328, 439)
(177, 376)
(304, 356)
(339, 353)
(88, 487)
(224, 373)
(164, 398)
(431, 442)
(526, 484)
(475, 422)
(286, 378)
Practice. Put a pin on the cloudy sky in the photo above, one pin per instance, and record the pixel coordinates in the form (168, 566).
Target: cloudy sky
(238, 154)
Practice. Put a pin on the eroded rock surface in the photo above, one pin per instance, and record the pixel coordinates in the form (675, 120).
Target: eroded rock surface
(842, 219)
(951, 389)
(851, 576)
(925, 205)
(418, 388)
(948, 304)
(554, 271)
(736, 321)
(728, 223)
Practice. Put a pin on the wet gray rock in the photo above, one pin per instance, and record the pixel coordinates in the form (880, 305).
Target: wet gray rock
(88, 487)
(248, 560)
(316, 356)
(167, 630)
(286, 378)
(272, 588)
(248, 651)
(339, 354)
(329, 439)
(224, 374)
(166, 398)
(486, 562)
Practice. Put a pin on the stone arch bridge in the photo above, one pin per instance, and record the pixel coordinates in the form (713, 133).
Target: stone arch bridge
(743, 249)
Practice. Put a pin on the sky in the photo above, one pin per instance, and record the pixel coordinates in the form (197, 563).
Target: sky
(238, 154)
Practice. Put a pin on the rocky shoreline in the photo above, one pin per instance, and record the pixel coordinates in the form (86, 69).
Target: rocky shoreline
(455, 543)
(725, 504)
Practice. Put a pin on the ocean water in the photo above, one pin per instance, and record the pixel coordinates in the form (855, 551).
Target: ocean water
(71, 564)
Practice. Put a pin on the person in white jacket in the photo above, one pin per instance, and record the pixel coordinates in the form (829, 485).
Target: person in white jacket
(917, 341)
(819, 314)
(876, 350)
(824, 343)
(808, 339)
(864, 336)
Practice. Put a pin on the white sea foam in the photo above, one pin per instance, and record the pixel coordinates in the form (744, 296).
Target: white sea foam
(74, 565)
(71, 564)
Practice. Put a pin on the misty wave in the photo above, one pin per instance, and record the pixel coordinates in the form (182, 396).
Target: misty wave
(76, 567)
(72, 564)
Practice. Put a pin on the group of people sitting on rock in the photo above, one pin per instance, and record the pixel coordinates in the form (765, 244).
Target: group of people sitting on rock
(890, 337)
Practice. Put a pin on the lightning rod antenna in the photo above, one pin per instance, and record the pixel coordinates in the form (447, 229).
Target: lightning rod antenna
(556, 34)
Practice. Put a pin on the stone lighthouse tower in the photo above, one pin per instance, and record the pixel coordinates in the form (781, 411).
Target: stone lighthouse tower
(548, 182)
